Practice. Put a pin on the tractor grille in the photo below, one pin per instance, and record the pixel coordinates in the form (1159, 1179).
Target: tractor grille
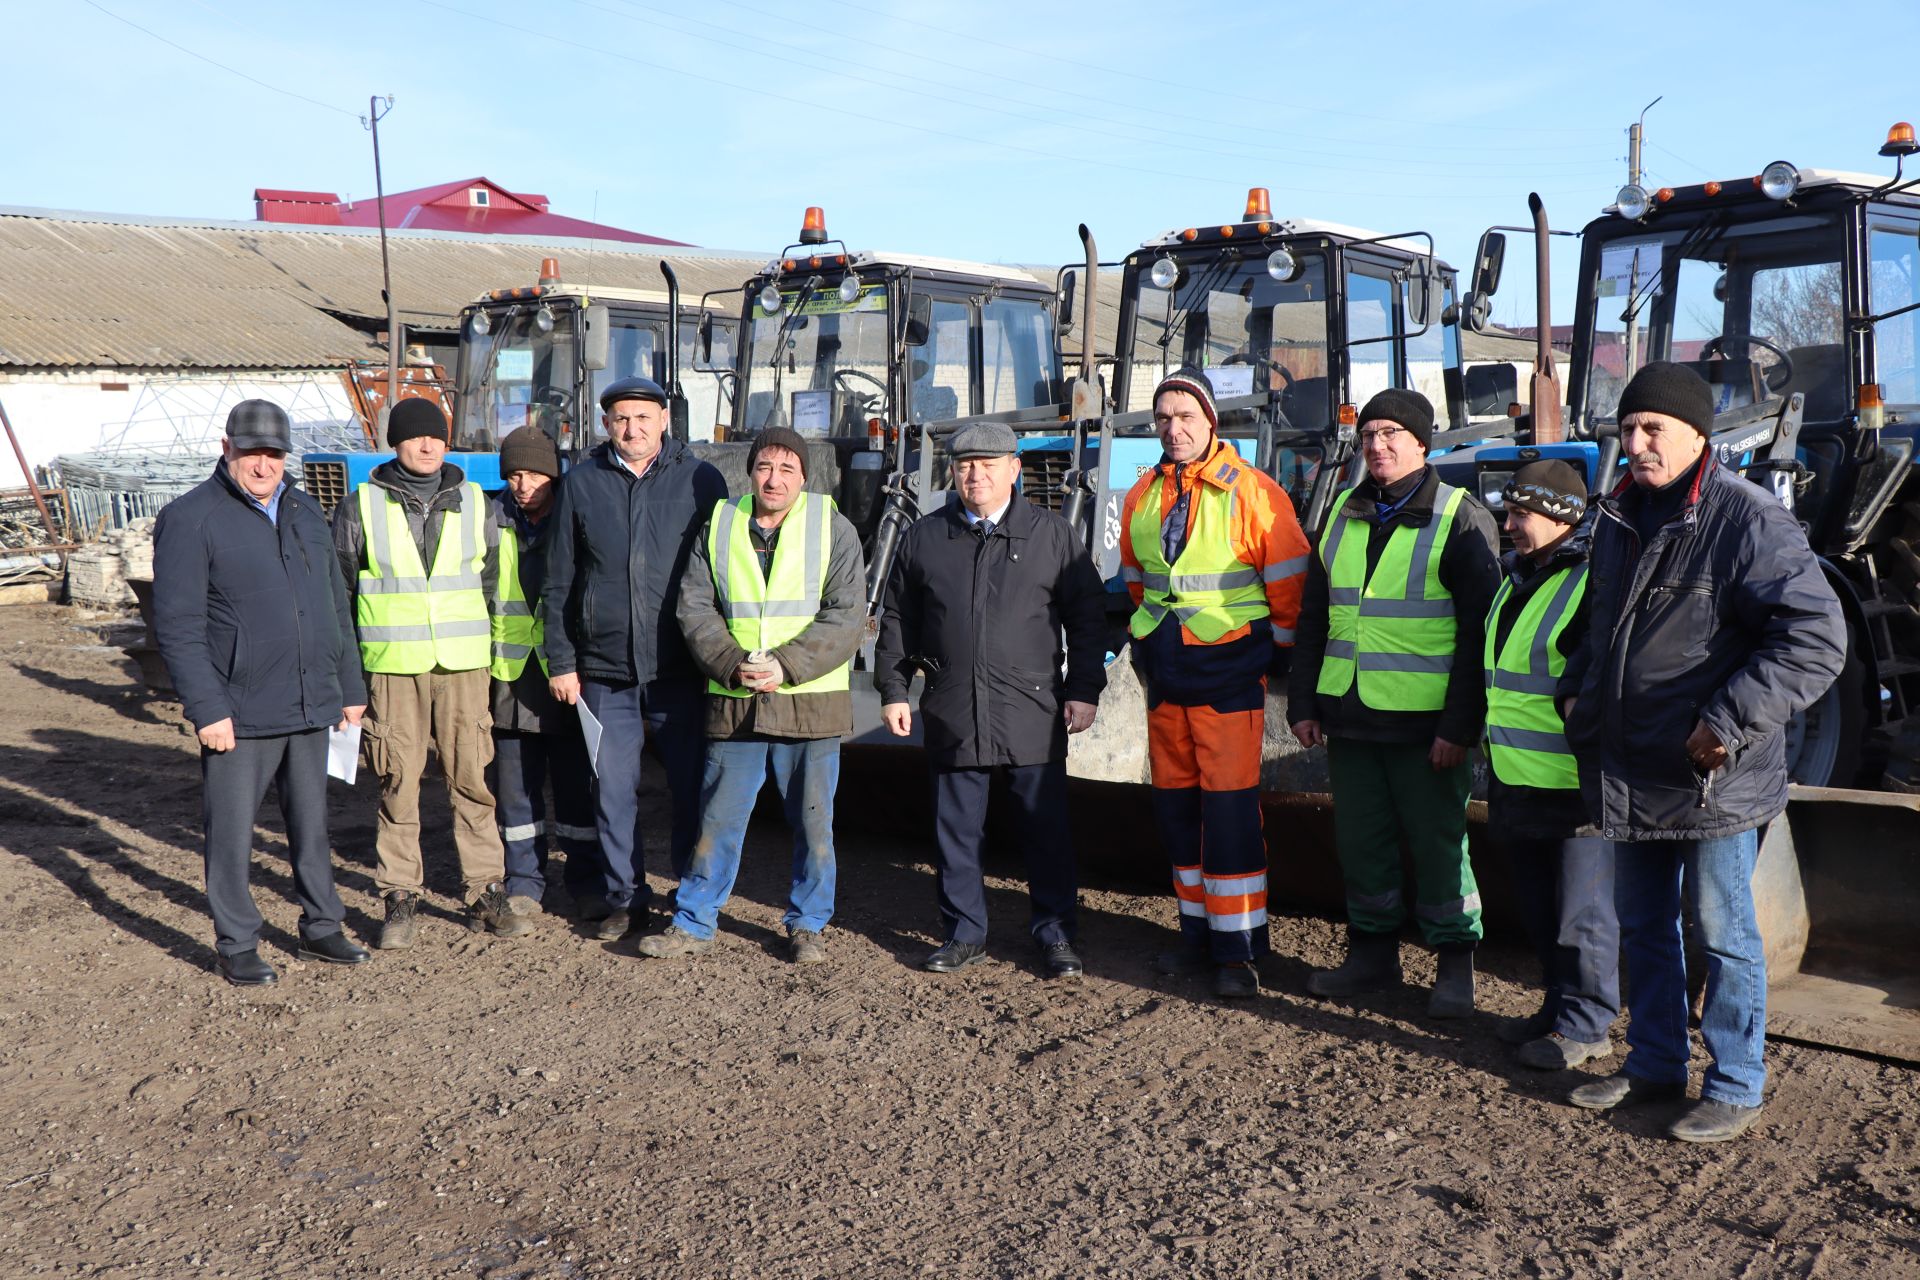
(1043, 476)
(326, 481)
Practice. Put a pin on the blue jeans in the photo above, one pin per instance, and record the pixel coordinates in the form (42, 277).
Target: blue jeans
(671, 712)
(1565, 889)
(523, 764)
(806, 773)
(1716, 878)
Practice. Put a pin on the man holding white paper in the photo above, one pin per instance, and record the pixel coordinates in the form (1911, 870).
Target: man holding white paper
(254, 626)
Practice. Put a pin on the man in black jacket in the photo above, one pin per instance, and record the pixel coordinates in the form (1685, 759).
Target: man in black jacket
(256, 633)
(1713, 626)
(623, 526)
(1562, 869)
(977, 599)
(1386, 671)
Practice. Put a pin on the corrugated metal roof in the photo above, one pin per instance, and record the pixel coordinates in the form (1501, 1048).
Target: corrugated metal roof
(86, 290)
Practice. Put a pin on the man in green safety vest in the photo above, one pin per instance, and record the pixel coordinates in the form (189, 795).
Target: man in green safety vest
(419, 548)
(1562, 868)
(1386, 672)
(536, 739)
(773, 608)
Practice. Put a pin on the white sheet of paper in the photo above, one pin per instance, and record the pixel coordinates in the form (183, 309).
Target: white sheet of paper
(590, 730)
(343, 753)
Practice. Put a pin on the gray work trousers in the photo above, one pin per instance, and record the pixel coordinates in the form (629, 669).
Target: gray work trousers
(233, 785)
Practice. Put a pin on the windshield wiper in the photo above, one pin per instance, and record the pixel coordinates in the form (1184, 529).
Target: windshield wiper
(777, 414)
(488, 367)
(1178, 322)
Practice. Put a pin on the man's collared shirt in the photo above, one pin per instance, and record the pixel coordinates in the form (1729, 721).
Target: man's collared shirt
(997, 517)
(628, 466)
(271, 507)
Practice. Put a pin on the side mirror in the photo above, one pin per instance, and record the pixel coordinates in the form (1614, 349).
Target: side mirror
(596, 337)
(1487, 261)
(919, 327)
(1063, 312)
(705, 333)
(1423, 294)
(1475, 312)
(1490, 389)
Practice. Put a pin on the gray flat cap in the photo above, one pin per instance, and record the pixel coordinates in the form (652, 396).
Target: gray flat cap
(983, 440)
(259, 424)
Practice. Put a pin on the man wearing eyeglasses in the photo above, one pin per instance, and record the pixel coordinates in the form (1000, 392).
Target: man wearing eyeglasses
(1387, 673)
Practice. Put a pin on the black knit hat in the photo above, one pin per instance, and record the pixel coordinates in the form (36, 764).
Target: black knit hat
(1194, 383)
(1673, 389)
(529, 449)
(413, 418)
(1548, 487)
(779, 438)
(1408, 408)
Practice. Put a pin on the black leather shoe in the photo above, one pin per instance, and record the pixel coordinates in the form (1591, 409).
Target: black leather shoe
(1623, 1090)
(247, 969)
(333, 948)
(1061, 961)
(954, 955)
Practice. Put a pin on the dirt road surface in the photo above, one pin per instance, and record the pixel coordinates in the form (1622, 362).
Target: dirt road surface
(556, 1106)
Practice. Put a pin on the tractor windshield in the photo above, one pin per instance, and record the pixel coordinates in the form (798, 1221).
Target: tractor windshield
(817, 364)
(1755, 305)
(515, 368)
(1228, 311)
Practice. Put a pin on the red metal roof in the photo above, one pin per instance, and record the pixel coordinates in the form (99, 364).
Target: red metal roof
(449, 206)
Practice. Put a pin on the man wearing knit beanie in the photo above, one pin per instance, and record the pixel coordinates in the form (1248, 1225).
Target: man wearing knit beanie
(1561, 868)
(1214, 560)
(1387, 673)
(1721, 627)
(535, 738)
(418, 544)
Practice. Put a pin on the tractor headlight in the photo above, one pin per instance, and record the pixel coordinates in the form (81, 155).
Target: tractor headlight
(1779, 180)
(1633, 202)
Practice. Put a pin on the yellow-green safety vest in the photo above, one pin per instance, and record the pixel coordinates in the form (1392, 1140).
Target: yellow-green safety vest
(1208, 589)
(1394, 631)
(518, 629)
(411, 622)
(1526, 738)
(767, 610)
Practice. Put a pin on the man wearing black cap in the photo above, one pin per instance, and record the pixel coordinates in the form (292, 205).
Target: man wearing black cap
(624, 523)
(773, 606)
(535, 739)
(1387, 673)
(1562, 869)
(1214, 560)
(258, 638)
(1720, 627)
(978, 599)
(419, 549)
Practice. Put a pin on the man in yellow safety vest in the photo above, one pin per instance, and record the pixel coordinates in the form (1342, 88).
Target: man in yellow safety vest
(419, 548)
(773, 607)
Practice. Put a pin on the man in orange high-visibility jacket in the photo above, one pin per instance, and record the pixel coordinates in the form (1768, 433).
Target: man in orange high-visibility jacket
(1215, 562)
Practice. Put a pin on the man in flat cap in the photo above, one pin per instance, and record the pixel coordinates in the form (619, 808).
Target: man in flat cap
(978, 599)
(1387, 673)
(1215, 561)
(1562, 869)
(1720, 627)
(624, 523)
(536, 740)
(258, 638)
(419, 549)
(773, 606)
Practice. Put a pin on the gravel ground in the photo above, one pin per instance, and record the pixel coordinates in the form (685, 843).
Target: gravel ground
(555, 1106)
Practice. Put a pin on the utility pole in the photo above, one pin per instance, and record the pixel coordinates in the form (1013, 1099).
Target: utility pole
(377, 108)
(1636, 133)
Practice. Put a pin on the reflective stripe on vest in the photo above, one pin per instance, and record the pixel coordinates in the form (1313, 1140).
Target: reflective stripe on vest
(1526, 738)
(764, 611)
(518, 629)
(410, 621)
(1209, 589)
(1393, 631)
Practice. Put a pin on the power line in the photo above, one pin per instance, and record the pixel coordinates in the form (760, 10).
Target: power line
(288, 93)
(1266, 104)
(734, 36)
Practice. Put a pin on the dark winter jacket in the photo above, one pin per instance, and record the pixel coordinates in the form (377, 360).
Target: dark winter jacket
(1468, 570)
(1724, 618)
(829, 640)
(1540, 813)
(615, 554)
(249, 614)
(982, 618)
(525, 705)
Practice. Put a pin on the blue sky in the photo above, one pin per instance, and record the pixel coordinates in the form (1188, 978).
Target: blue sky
(982, 129)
